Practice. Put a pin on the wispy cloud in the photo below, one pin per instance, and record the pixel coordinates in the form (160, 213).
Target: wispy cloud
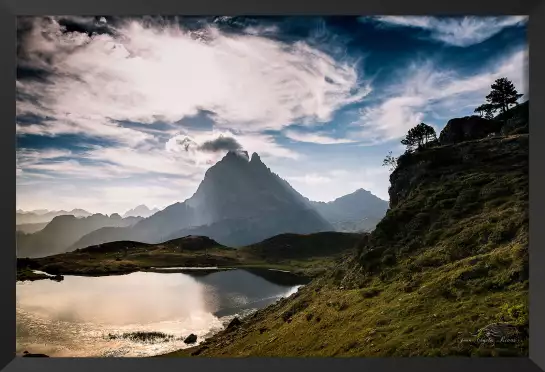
(317, 138)
(425, 89)
(457, 31)
(86, 127)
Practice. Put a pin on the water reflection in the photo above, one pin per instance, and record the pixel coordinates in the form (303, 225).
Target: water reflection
(74, 317)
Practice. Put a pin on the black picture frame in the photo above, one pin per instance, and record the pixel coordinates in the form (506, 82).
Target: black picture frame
(9, 10)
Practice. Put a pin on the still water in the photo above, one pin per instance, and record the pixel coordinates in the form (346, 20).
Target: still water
(75, 317)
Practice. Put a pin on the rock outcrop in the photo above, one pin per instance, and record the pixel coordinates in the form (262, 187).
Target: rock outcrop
(468, 128)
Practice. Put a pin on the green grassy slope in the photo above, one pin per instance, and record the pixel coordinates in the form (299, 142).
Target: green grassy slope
(449, 258)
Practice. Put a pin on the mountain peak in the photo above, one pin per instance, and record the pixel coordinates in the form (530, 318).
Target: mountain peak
(236, 155)
(140, 211)
(255, 158)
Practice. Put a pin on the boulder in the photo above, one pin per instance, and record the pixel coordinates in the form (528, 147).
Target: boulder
(468, 128)
(234, 323)
(191, 339)
(499, 332)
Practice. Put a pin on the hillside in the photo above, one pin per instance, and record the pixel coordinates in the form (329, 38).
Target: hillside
(63, 231)
(448, 261)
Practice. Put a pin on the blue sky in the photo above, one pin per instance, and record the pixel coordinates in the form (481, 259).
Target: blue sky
(113, 112)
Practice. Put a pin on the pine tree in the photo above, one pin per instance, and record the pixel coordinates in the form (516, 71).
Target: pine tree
(502, 95)
(486, 110)
(419, 136)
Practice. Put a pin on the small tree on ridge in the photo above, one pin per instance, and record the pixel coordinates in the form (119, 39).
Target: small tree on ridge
(390, 161)
(503, 95)
(418, 136)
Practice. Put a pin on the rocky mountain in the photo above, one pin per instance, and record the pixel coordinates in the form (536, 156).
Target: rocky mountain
(63, 231)
(140, 211)
(239, 202)
(359, 211)
(44, 215)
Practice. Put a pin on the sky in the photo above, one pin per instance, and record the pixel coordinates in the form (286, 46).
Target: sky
(113, 112)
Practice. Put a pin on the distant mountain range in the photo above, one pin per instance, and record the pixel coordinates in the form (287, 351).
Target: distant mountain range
(44, 215)
(140, 211)
(356, 212)
(63, 231)
(239, 202)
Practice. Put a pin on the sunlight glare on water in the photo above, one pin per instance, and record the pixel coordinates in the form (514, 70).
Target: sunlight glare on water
(76, 316)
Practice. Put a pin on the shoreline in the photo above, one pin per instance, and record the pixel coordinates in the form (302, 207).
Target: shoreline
(31, 275)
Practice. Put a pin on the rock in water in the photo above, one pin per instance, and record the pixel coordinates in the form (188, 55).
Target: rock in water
(191, 339)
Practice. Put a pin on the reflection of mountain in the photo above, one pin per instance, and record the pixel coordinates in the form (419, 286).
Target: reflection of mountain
(63, 231)
(43, 215)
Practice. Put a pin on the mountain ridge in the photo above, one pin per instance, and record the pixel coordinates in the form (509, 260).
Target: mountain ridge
(63, 231)
(141, 210)
(44, 215)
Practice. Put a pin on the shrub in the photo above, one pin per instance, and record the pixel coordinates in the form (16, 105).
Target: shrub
(370, 292)
(515, 314)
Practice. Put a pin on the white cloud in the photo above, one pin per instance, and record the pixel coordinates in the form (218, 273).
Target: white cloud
(426, 89)
(134, 161)
(458, 31)
(76, 124)
(314, 138)
(167, 73)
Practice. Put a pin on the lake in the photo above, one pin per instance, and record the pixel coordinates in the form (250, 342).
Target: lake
(87, 316)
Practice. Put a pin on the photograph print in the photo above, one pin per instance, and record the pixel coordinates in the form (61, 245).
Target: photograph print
(288, 186)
